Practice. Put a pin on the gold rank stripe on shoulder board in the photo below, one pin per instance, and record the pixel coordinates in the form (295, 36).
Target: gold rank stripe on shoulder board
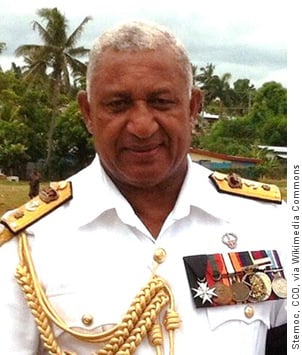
(5, 234)
(235, 185)
(48, 200)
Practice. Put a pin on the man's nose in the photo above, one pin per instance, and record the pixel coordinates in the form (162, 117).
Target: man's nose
(142, 120)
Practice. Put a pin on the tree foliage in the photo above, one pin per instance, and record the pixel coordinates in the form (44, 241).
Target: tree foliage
(73, 144)
(24, 116)
(248, 117)
(54, 61)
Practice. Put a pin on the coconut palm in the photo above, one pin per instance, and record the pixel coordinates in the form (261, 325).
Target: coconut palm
(2, 46)
(214, 87)
(54, 59)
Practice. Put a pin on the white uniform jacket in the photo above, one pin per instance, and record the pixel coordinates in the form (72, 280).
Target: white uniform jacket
(93, 255)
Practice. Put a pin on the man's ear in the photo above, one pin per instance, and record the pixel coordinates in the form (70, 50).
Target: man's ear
(84, 105)
(195, 103)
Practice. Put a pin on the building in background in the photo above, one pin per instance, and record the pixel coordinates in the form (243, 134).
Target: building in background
(218, 161)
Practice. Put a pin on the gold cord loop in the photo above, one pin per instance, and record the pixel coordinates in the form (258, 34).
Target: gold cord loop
(141, 320)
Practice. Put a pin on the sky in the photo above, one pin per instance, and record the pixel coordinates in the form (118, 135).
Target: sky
(244, 38)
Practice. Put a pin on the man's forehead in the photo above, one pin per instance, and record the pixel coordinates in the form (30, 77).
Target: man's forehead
(160, 54)
(159, 69)
(150, 92)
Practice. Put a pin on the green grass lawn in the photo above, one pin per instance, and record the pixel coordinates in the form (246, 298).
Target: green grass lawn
(15, 194)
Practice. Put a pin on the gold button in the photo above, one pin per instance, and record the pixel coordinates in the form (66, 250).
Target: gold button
(159, 255)
(87, 319)
(249, 311)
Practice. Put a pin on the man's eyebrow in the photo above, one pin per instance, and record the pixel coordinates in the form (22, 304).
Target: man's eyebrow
(112, 93)
(118, 93)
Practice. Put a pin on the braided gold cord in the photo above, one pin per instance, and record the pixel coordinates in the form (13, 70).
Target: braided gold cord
(137, 328)
(145, 324)
(47, 308)
(25, 281)
(155, 337)
(141, 320)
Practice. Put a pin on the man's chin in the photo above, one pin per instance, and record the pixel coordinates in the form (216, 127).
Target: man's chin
(143, 182)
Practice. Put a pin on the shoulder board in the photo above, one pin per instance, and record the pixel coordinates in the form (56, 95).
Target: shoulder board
(48, 200)
(235, 185)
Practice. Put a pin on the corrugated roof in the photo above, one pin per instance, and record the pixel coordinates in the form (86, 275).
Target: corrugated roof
(276, 149)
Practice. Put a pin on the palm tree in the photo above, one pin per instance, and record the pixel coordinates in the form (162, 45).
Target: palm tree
(207, 81)
(213, 86)
(55, 59)
(2, 46)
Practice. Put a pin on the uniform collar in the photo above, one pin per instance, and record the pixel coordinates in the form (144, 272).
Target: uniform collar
(198, 191)
(95, 193)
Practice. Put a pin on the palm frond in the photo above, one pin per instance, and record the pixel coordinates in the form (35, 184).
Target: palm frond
(46, 38)
(26, 49)
(78, 52)
(77, 67)
(74, 37)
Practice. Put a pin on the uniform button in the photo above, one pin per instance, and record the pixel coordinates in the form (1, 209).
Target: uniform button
(249, 311)
(159, 255)
(87, 319)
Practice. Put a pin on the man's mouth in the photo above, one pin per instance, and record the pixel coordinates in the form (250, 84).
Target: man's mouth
(143, 148)
(144, 151)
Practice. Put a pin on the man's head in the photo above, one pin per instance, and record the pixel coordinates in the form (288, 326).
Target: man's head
(140, 105)
(135, 37)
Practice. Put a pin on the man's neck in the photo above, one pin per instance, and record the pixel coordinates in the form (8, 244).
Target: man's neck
(152, 205)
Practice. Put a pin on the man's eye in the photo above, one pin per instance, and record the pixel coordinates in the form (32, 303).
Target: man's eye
(118, 105)
(161, 103)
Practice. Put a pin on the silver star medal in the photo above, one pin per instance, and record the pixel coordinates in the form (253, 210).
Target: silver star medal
(204, 292)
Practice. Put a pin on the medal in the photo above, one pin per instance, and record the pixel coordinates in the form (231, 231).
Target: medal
(204, 292)
(240, 291)
(279, 283)
(260, 286)
(279, 286)
(267, 284)
(224, 294)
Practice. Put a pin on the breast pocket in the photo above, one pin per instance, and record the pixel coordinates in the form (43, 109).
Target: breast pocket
(246, 313)
(82, 313)
(241, 328)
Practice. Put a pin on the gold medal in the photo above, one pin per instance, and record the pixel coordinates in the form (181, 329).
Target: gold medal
(279, 286)
(240, 291)
(260, 286)
(224, 294)
(267, 284)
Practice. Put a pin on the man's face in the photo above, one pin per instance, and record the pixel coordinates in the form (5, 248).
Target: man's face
(140, 115)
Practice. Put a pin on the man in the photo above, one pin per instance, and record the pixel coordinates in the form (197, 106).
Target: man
(34, 183)
(146, 248)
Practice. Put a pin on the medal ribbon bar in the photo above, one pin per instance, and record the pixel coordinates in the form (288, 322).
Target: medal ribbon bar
(236, 277)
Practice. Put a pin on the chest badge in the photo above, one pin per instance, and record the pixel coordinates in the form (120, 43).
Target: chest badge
(230, 240)
(204, 292)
